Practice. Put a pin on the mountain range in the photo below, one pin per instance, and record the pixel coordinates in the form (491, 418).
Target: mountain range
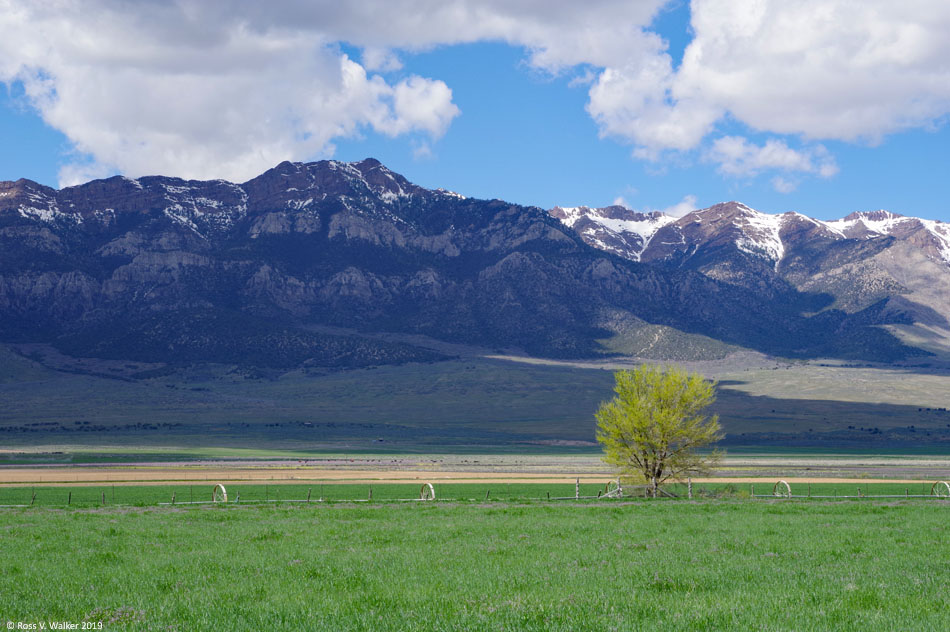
(880, 261)
(333, 264)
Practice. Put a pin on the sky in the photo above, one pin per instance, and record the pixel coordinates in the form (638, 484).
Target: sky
(818, 106)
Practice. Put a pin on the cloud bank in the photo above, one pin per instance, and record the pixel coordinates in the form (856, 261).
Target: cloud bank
(173, 88)
(227, 89)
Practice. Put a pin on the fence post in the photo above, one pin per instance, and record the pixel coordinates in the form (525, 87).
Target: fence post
(906, 492)
(689, 487)
(577, 488)
(33, 499)
(753, 490)
(103, 498)
(69, 499)
(370, 492)
(809, 490)
(488, 493)
(308, 494)
(173, 498)
(549, 495)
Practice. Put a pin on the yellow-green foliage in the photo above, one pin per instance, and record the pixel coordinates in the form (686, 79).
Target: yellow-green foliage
(652, 428)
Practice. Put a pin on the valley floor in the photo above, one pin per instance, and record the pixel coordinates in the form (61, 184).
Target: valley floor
(486, 566)
(468, 405)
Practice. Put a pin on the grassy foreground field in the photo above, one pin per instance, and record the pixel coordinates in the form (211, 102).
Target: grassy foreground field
(508, 565)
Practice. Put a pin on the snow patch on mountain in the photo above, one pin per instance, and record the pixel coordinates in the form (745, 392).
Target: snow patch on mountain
(760, 234)
(177, 214)
(391, 196)
(299, 204)
(876, 222)
(208, 202)
(49, 214)
(630, 234)
(349, 171)
(941, 233)
(613, 227)
(871, 224)
(42, 207)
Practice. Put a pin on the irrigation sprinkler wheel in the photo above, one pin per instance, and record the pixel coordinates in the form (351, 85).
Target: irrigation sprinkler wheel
(612, 489)
(427, 492)
(219, 494)
(782, 489)
(940, 489)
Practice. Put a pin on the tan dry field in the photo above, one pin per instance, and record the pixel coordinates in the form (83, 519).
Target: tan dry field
(66, 476)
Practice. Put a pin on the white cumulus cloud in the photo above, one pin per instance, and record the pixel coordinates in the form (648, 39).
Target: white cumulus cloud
(823, 69)
(380, 59)
(162, 87)
(226, 89)
(813, 69)
(681, 208)
(783, 184)
(737, 156)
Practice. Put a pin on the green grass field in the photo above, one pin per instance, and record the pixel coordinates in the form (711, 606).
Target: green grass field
(151, 495)
(104, 496)
(642, 565)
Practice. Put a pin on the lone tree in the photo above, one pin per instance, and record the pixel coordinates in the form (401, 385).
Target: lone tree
(652, 428)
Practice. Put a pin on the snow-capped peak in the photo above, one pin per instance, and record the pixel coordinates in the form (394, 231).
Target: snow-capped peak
(616, 218)
(875, 222)
(753, 232)
(871, 224)
(614, 228)
(631, 234)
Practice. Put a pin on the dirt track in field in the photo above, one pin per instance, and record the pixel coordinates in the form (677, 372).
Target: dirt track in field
(275, 475)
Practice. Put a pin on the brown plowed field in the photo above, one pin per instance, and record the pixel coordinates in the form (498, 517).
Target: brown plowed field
(273, 475)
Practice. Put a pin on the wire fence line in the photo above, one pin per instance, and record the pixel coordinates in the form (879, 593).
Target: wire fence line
(208, 494)
(938, 490)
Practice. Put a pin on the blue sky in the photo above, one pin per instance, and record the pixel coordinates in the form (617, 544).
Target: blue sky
(538, 106)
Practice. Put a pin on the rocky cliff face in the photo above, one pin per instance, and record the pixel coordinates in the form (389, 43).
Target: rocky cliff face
(307, 263)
